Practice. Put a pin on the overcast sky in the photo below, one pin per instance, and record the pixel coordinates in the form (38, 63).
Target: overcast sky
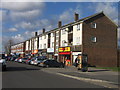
(21, 19)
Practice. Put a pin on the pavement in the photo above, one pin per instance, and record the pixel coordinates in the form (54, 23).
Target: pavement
(103, 77)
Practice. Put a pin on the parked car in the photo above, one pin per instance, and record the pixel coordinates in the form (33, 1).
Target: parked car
(51, 63)
(13, 58)
(32, 60)
(28, 61)
(39, 60)
(20, 60)
(16, 60)
(24, 60)
(3, 64)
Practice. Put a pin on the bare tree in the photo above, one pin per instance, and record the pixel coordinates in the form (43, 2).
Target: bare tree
(7, 46)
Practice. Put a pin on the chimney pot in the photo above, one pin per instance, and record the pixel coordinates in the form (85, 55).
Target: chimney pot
(35, 33)
(76, 17)
(43, 30)
(59, 24)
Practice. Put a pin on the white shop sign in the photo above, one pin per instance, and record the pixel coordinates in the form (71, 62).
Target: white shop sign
(76, 53)
(50, 50)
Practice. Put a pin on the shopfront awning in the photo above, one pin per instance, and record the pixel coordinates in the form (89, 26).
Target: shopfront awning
(65, 53)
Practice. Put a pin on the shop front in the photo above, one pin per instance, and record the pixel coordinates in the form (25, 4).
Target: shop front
(65, 55)
(50, 53)
(75, 55)
(35, 53)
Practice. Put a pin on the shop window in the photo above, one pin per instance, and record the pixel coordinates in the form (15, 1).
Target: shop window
(93, 25)
(93, 39)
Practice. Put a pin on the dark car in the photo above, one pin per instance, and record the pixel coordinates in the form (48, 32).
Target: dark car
(51, 63)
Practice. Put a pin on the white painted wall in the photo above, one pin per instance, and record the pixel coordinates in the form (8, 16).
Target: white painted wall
(35, 43)
(77, 35)
(43, 41)
(52, 38)
(27, 43)
(64, 37)
(30, 45)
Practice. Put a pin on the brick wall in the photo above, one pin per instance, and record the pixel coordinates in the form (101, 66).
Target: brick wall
(103, 53)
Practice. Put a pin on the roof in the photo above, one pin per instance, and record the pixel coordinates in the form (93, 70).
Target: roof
(80, 20)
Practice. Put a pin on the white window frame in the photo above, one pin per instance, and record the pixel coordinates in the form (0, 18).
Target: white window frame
(94, 39)
(93, 25)
(78, 26)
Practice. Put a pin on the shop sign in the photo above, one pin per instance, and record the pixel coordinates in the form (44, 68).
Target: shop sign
(50, 50)
(35, 51)
(64, 49)
(76, 53)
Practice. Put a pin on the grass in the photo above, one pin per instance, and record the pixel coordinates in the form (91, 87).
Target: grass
(110, 68)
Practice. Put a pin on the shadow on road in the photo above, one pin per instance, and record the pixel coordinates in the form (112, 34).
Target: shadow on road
(20, 69)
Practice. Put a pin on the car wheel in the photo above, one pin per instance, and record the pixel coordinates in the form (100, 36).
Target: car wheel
(47, 66)
(61, 66)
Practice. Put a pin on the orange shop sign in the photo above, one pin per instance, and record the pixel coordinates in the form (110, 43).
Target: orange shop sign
(35, 51)
(64, 49)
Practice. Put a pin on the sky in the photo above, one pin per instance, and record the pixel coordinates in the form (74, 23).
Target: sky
(19, 20)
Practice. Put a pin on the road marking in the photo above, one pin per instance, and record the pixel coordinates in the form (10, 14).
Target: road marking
(94, 81)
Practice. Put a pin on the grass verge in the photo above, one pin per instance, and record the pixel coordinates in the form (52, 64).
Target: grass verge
(109, 68)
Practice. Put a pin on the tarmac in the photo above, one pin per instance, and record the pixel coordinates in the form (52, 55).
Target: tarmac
(102, 77)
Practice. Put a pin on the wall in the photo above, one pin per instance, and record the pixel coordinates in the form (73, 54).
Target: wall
(64, 37)
(103, 53)
(77, 35)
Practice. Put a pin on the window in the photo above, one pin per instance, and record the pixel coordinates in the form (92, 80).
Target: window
(45, 37)
(53, 34)
(93, 25)
(57, 34)
(78, 26)
(52, 44)
(63, 31)
(78, 40)
(44, 45)
(93, 39)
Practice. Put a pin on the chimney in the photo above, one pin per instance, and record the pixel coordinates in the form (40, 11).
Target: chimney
(43, 30)
(59, 24)
(35, 33)
(76, 17)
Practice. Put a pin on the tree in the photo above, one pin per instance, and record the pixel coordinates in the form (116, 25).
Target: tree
(8, 45)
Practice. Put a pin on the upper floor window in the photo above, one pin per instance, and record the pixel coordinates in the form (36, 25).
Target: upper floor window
(44, 45)
(53, 34)
(52, 44)
(78, 26)
(93, 25)
(93, 39)
(57, 33)
(63, 31)
(45, 37)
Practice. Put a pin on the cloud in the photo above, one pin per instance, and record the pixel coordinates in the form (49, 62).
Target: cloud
(68, 15)
(22, 6)
(108, 8)
(13, 30)
(18, 11)
(22, 37)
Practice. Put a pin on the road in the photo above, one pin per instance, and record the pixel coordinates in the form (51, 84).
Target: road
(19, 75)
